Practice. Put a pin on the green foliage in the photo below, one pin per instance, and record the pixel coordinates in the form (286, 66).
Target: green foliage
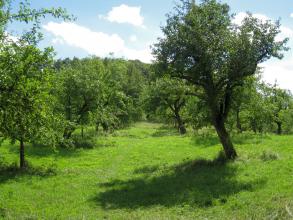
(24, 98)
(167, 98)
(100, 92)
(25, 102)
(79, 91)
(203, 46)
(261, 107)
(29, 17)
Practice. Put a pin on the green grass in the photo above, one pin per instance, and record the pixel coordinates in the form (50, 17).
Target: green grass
(150, 172)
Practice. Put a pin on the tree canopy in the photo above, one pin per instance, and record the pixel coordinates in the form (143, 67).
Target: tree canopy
(202, 45)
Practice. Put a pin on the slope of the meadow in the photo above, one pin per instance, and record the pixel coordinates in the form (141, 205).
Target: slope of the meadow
(150, 172)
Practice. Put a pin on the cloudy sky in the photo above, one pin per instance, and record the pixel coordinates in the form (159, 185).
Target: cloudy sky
(127, 28)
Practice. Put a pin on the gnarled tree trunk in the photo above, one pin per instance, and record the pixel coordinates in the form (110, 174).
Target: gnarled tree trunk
(180, 123)
(82, 132)
(68, 133)
(21, 155)
(279, 130)
(225, 139)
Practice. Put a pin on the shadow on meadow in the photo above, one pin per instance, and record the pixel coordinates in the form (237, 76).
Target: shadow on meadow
(249, 138)
(200, 183)
(44, 151)
(12, 172)
(210, 140)
(205, 141)
(165, 131)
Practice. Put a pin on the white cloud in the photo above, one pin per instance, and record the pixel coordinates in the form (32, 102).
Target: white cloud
(285, 31)
(95, 43)
(291, 15)
(133, 38)
(9, 38)
(238, 19)
(125, 14)
(276, 70)
(280, 71)
(58, 40)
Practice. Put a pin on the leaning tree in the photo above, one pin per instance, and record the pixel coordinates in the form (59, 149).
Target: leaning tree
(203, 45)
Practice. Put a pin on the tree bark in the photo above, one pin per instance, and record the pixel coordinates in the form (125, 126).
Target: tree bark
(68, 132)
(21, 155)
(225, 139)
(253, 126)
(82, 132)
(105, 127)
(279, 130)
(181, 126)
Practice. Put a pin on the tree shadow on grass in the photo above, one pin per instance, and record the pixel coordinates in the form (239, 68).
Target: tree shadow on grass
(146, 170)
(249, 138)
(10, 172)
(205, 141)
(44, 151)
(165, 131)
(211, 140)
(200, 183)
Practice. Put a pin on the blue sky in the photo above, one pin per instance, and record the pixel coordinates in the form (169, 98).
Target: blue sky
(128, 28)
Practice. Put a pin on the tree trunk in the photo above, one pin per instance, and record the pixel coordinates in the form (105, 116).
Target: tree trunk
(21, 155)
(279, 130)
(181, 126)
(238, 122)
(68, 132)
(82, 133)
(225, 139)
(253, 126)
(105, 127)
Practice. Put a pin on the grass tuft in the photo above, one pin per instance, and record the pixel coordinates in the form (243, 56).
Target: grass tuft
(269, 156)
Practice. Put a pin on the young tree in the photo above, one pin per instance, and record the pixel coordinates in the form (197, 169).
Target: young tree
(79, 88)
(23, 73)
(25, 109)
(247, 104)
(124, 81)
(167, 94)
(280, 100)
(204, 47)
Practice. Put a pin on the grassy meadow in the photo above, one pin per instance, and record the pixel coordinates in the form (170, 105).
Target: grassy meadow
(150, 172)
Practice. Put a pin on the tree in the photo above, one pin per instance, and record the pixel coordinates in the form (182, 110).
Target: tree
(280, 100)
(100, 92)
(167, 94)
(23, 74)
(204, 47)
(25, 105)
(79, 88)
